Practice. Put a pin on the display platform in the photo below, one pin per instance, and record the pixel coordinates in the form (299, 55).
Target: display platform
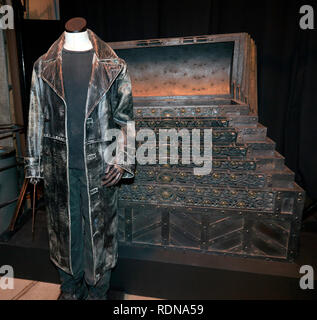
(171, 275)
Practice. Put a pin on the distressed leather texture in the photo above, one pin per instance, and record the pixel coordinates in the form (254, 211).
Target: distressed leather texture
(109, 105)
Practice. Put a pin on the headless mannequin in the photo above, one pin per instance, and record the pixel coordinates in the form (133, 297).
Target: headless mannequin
(76, 39)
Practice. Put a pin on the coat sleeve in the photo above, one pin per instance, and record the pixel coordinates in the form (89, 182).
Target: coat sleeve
(32, 160)
(122, 114)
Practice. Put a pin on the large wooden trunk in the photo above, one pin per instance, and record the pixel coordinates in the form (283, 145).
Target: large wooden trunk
(249, 204)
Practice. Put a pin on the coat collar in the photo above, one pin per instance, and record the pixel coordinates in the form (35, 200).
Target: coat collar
(106, 66)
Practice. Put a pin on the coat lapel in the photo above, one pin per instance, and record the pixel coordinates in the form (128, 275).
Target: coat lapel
(103, 75)
(106, 66)
(53, 76)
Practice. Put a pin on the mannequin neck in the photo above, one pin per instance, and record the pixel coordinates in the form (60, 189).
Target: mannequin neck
(78, 41)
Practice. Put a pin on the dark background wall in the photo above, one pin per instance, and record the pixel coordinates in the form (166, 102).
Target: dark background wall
(287, 56)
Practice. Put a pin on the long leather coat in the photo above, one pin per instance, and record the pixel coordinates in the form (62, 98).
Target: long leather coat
(108, 105)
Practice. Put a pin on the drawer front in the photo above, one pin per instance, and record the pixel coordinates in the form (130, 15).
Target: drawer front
(178, 195)
(224, 137)
(154, 123)
(185, 111)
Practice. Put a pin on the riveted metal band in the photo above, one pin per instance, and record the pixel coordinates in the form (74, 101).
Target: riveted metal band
(165, 227)
(128, 224)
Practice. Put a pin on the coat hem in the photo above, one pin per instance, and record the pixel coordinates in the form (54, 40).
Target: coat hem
(65, 269)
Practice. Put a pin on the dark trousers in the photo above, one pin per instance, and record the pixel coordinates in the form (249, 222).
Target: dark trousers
(80, 230)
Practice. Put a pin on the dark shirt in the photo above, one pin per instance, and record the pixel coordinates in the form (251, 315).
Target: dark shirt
(76, 67)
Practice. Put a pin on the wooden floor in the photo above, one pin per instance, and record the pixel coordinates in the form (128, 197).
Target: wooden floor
(36, 290)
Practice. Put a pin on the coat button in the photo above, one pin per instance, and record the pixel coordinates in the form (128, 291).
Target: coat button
(91, 156)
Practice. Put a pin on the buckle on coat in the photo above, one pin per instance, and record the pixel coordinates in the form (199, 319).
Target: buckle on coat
(90, 121)
(93, 191)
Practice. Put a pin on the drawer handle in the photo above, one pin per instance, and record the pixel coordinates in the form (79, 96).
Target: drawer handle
(166, 178)
(166, 194)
